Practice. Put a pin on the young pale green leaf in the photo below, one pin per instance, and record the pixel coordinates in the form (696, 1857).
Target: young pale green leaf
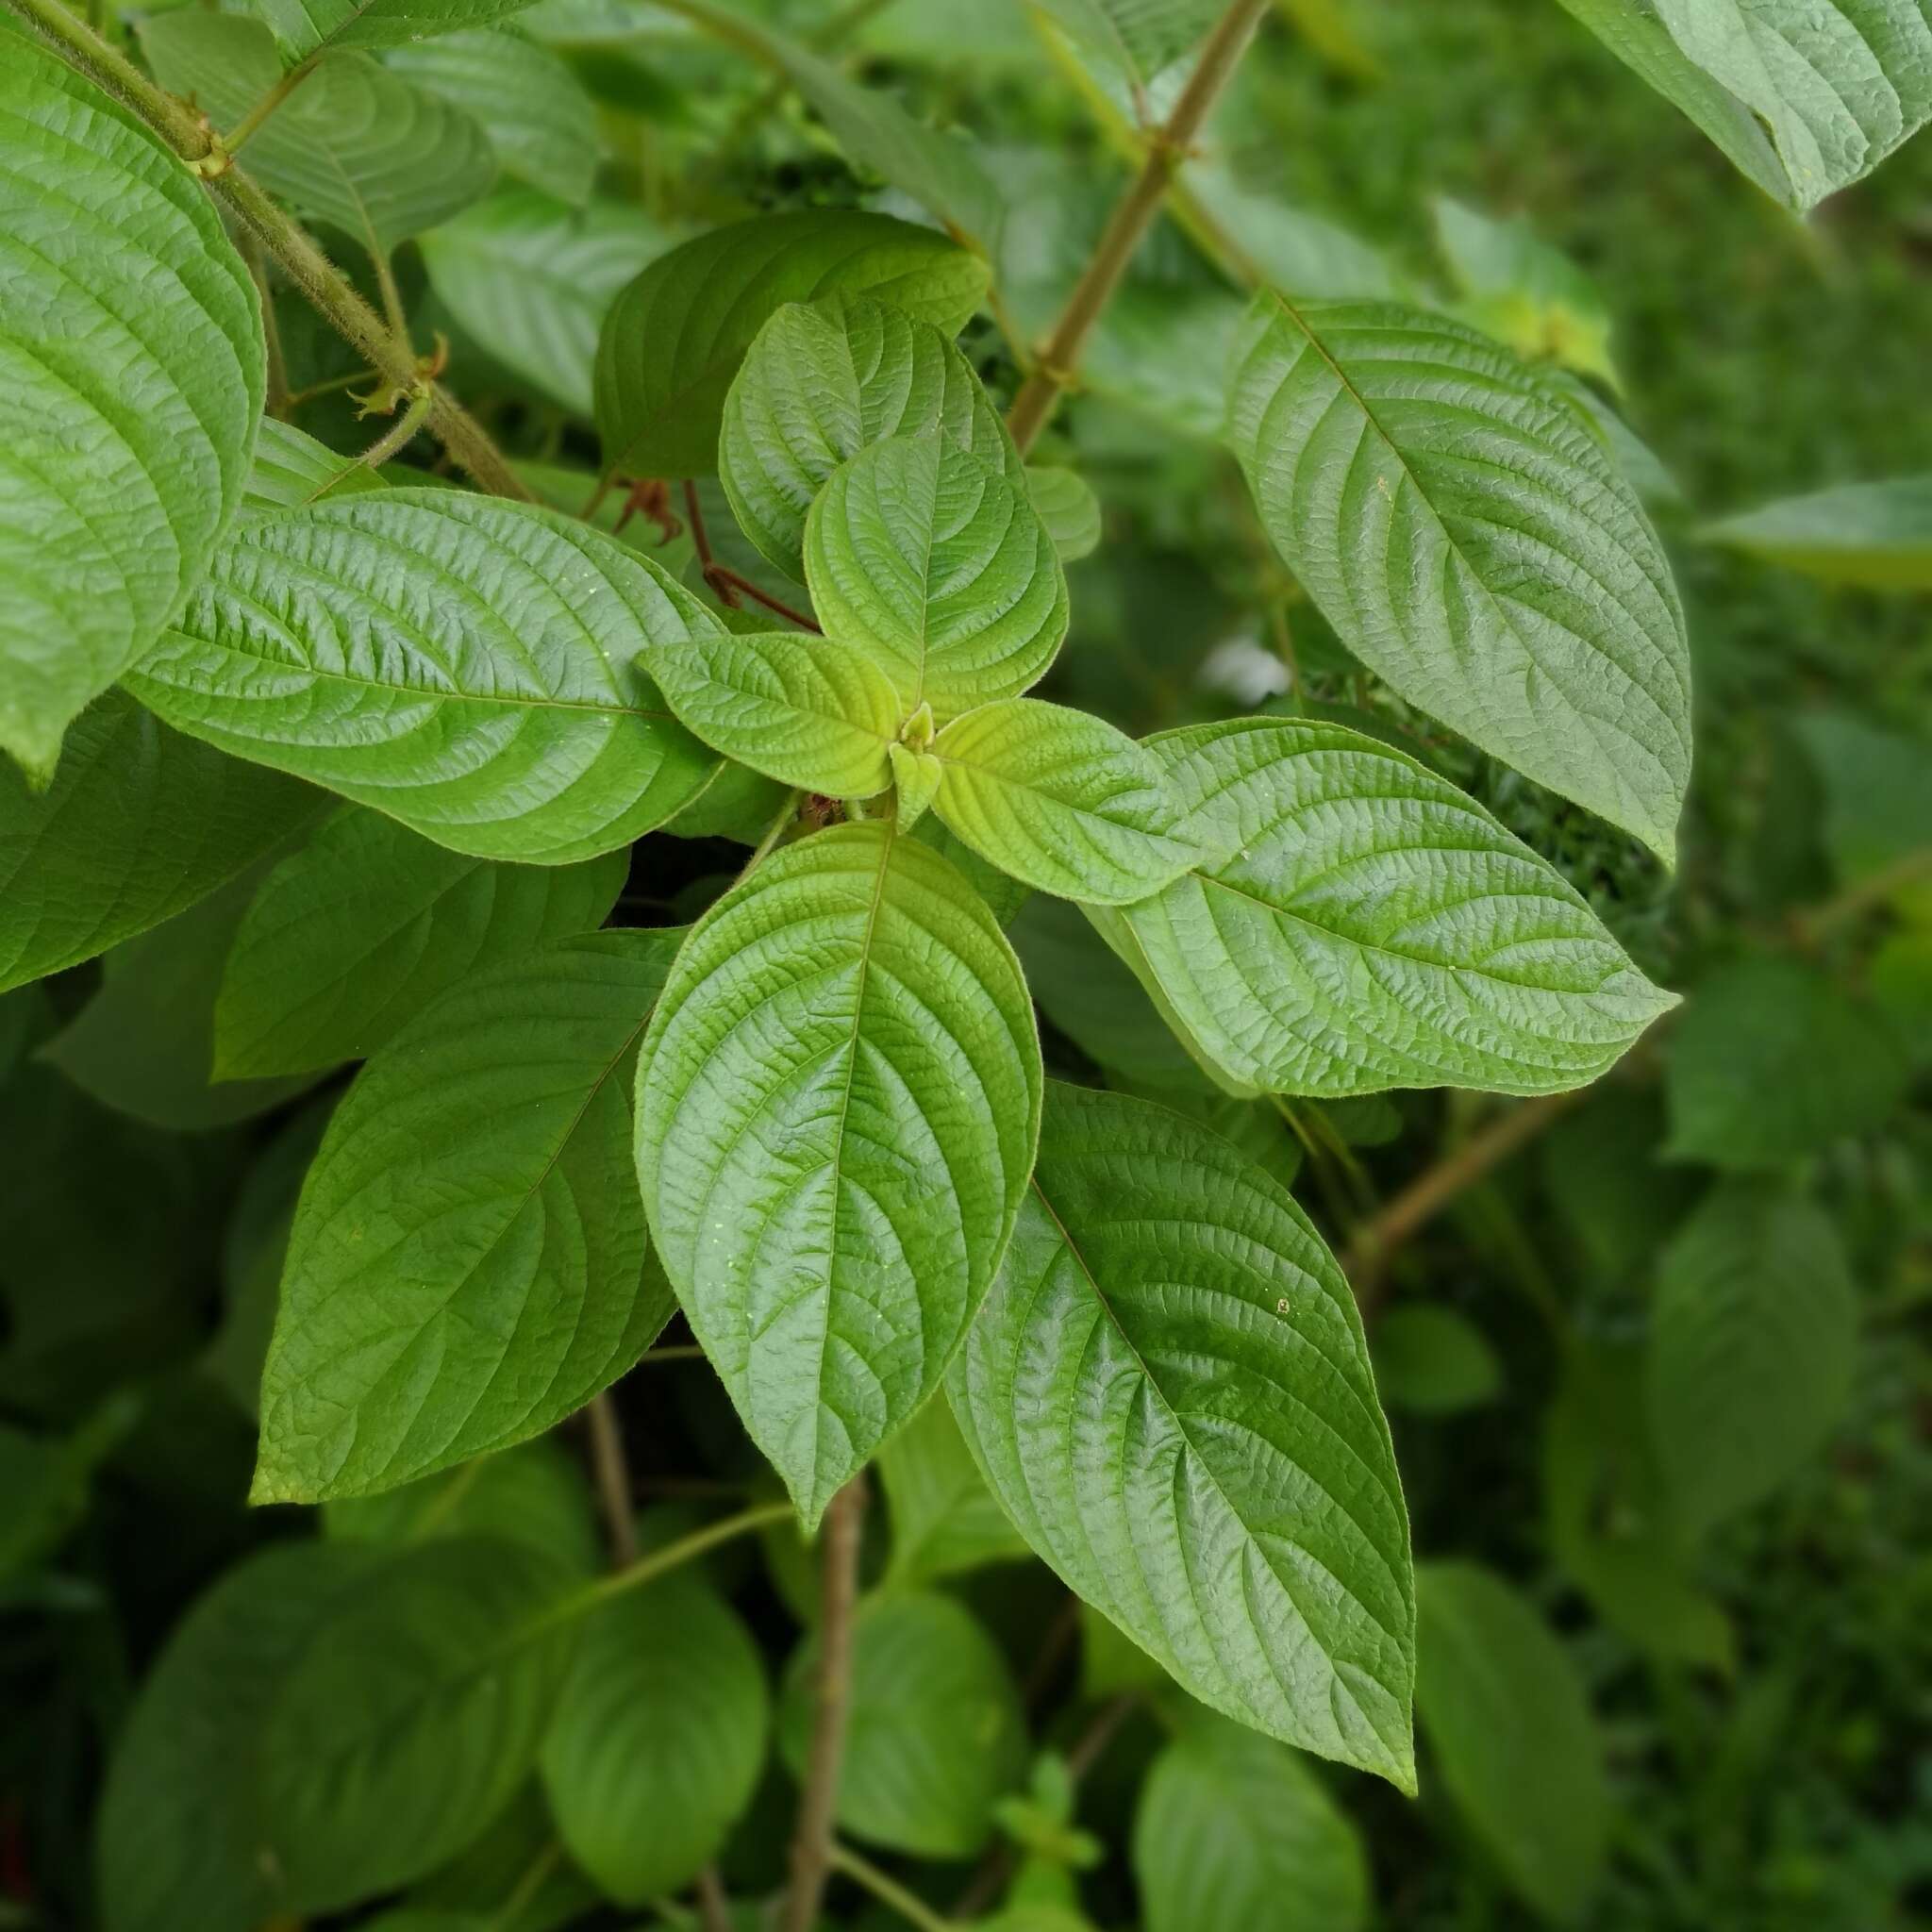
(1474, 544)
(1366, 925)
(132, 377)
(916, 776)
(1772, 1061)
(181, 1843)
(1069, 509)
(352, 936)
(138, 824)
(797, 708)
(1286, 246)
(1755, 1333)
(467, 665)
(822, 382)
(1878, 534)
(304, 28)
(469, 1261)
(1169, 1391)
(935, 564)
(353, 145)
(936, 1736)
(1139, 38)
(1061, 800)
(1511, 1726)
(837, 1109)
(291, 468)
(1434, 1361)
(532, 279)
(945, 1521)
(675, 337)
(411, 1715)
(658, 1737)
(1234, 1829)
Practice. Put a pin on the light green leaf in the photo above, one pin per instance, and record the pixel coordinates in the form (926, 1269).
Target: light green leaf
(138, 824)
(411, 1715)
(353, 145)
(469, 1262)
(1062, 800)
(676, 335)
(131, 377)
(1753, 1343)
(532, 280)
(1169, 1392)
(822, 382)
(144, 1043)
(1878, 534)
(658, 1737)
(303, 27)
(945, 1521)
(1510, 1725)
(797, 708)
(934, 564)
(467, 665)
(1139, 38)
(352, 936)
(1434, 1361)
(291, 468)
(1071, 511)
(540, 119)
(1370, 926)
(1474, 544)
(533, 1493)
(1839, 84)
(1287, 247)
(181, 1842)
(916, 776)
(936, 1736)
(837, 1109)
(1234, 1829)
(1772, 1061)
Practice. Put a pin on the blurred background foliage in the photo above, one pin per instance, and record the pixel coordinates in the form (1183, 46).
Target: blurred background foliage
(1656, 1359)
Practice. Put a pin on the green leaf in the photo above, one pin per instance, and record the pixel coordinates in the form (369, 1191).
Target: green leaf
(1069, 509)
(658, 1737)
(945, 1521)
(936, 1736)
(353, 145)
(1877, 794)
(1434, 1361)
(1511, 1726)
(1837, 85)
(1370, 926)
(469, 1262)
(293, 469)
(532, 280)
(934, 564)
(303, 27)
(1877, 534)
(131, 377)
(181, 1841)
(916, 776)
(467, 665)
(1234, 1829)
(1772, 1061)
(797, 708)
(1474, 544)
(1062, 800)
(822, 382)
(1169, 1391)
(540, 119)
(144, 1043)
(1287, 247)
(837, 1109)
(138, 824)
(1753, 1343)
(351, 937)
(1139, 38)
(677, 334)
(411, 1715)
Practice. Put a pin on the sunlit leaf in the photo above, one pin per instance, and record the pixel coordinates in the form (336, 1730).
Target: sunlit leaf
(1071, 511)
(291, 469)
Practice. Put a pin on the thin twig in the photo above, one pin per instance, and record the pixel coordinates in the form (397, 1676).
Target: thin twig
(1059, 360)
(715, 1906)
(701, 540)
(811, 1845)
(394, 439)
(393, 309)
(614, 1479)
(273, 99)
(887, 1890)
(723, 578)
(1810, 928)
(781, 821)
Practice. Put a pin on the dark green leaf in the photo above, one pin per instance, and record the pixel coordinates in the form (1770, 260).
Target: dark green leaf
(1434, 1361)
(302, 27)
(945, 1521)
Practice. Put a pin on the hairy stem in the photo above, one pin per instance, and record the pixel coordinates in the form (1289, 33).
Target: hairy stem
(393, 311)
(273, 99)
(278, 402)
(1167, 148)
(614, 1479)
(671, 1556)
(300, 259)
(811, 1845)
